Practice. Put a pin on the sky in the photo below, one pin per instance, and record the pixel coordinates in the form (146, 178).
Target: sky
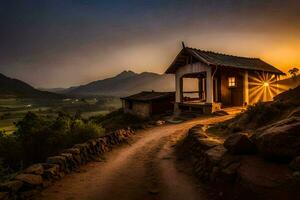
(62, 43)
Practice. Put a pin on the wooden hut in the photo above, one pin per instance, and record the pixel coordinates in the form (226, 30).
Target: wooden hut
(223, 80)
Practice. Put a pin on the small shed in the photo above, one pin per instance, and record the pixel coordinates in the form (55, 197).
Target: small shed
(146, 104)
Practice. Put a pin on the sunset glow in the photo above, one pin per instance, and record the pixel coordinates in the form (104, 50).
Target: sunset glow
(67, 43)
(264, 87)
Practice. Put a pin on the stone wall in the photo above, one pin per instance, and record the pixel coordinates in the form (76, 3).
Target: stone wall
(38, 176)
(236, 170)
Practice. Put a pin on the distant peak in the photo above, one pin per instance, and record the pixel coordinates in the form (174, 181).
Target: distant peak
(148, 73)
(126, 73)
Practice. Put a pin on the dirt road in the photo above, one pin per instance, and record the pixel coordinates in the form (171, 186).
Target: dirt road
(143, 169)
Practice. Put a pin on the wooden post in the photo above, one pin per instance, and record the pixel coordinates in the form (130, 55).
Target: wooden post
(209, 87)
(178, 88)
(200, 88)
(246, 88)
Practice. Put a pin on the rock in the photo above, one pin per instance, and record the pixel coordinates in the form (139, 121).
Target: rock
(73, 151)
(11, 186)
(295, 164)
(83, 151)
(267, 180)
(4, 196)
(159, 122)
(198, 126)
(51, 171)
(70, 162)
(228, 174)
(34, 169)
(239, 143)
(28, 194)
(229, 159)
(205, 143)
(199, 133)
(30, 179)
(59, 160)
(281, 140)
(76, 154)
(215, 154)
(295, 113)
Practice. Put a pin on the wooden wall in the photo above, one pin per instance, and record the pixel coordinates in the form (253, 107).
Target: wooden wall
(231, 96)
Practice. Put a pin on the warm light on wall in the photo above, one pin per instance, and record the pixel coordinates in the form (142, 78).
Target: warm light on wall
(266, 84)
(263, 87)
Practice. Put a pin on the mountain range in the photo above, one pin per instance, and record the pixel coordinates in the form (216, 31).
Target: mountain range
(10, 87)
(125, 83)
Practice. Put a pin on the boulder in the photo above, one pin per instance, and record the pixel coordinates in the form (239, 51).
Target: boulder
(228, 174)
(215, 154)
(70, 162)
(83, 151)
(239, 143)
(76, 154)
(59, 160)
(207, 143)
(199, 133)
(51, 171)
(11, 186)
(257, 177)
(30, 179)
(34, 169)
(73, 151)
(295, 164)
(281, 140)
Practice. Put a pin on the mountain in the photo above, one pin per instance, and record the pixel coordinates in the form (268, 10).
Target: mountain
(10, 87)
(125, 83)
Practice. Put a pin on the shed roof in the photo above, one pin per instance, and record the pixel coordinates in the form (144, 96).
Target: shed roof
(222, 60)
(148, 96)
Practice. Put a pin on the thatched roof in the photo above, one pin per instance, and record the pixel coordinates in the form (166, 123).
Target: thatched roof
(222, 60)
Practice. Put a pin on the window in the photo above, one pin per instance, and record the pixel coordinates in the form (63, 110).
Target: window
(231, 82)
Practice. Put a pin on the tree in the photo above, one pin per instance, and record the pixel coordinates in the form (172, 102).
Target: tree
(294, 71)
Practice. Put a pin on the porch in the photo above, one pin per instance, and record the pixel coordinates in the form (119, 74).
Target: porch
(197, 89)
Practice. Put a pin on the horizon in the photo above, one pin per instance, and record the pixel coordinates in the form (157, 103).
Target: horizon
(63, 44)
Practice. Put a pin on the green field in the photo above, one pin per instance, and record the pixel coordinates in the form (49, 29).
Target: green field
(12, 109)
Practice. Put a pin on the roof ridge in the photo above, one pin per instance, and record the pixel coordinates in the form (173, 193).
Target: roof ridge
(224, 54)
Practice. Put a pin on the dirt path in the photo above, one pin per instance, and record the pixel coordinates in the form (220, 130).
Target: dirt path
(144, 169)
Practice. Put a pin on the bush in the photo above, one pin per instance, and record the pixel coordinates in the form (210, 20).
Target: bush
(38, 137)
(118, 120)
(255, 116)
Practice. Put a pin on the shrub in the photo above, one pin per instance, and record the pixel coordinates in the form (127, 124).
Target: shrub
(118, 120)
(38, 137)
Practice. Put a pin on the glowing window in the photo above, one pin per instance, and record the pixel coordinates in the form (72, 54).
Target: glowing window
(231, 82)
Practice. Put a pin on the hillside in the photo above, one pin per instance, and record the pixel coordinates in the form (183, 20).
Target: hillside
(290, 83)
(10, 87)
(125, 83)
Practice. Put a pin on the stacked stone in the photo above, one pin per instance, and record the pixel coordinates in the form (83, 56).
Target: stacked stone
(38, 176)
(239, 165)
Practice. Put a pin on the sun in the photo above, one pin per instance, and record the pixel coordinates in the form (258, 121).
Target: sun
(264, 87)
(266, 84)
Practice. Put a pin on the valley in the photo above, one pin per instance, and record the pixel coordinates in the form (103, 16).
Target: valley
(14, 109)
